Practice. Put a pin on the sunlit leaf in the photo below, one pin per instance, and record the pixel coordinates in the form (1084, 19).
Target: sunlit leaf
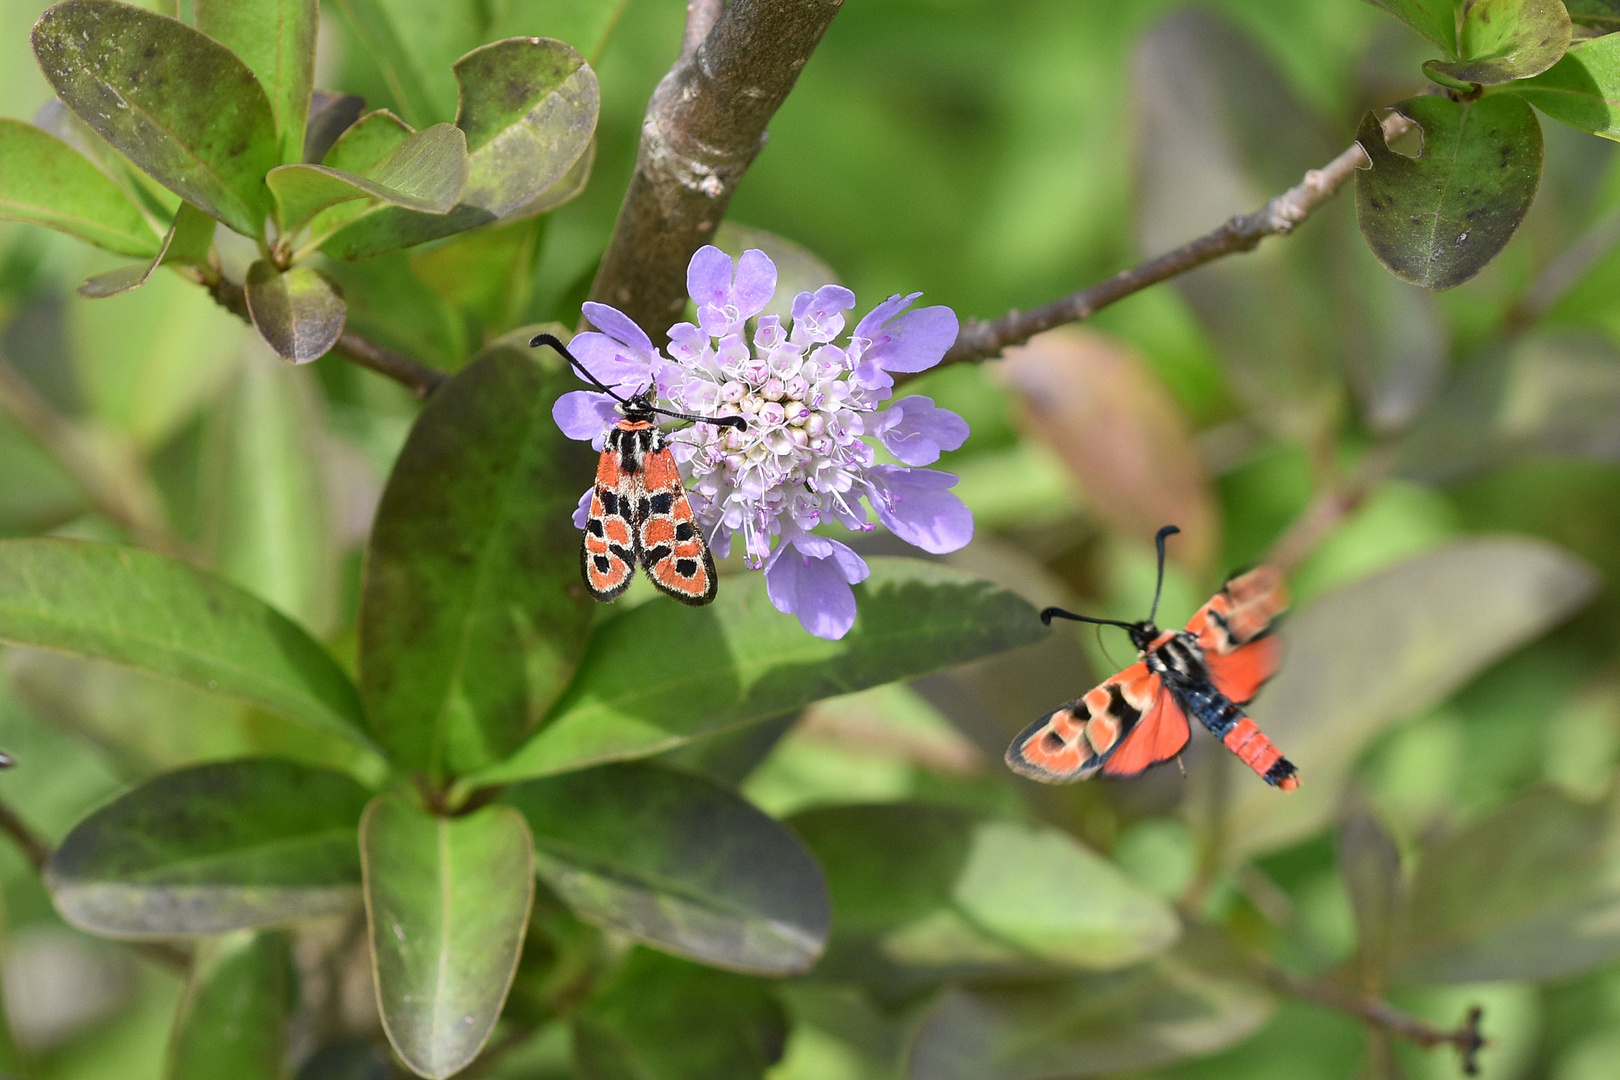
(1528, 892)
(1083, 1026)
(1121, 435)
(658, 1018)
(921, 891)
(1386, 647)
(1583, 89)
(235, 845)
(187, 243)
(447, 900)
(473, 614)
(1437, 219)
(276, 39)
(798, 269)
(299, 312)
(46, 181)
(425, 172)
(178, 103)
(739, 659)
(1503, 40)
(680, 864)
(1434, 19)
(232, 1020)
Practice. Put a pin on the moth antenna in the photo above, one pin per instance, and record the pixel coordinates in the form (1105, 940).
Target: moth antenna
(718, 421)
(1058, 613)
(1158, 585)
(547, 339)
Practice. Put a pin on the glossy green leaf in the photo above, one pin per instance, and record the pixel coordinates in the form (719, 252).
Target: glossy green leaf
(528, 108)
(1583, 89)
(425, 172)
(47, 182)
(1386, 647)
(679, 863)
(276, 39)
(567, 186)
(299, 312)
(923, 891)
(737, 660)
(1434, 19)
(145, 611)
(358, 149)
(658, 1018)
(1530, 891)
(1083, 1026)
(235, 845)
(472, 612)
(1437, 219)
(798, 269)
(187, 243)
(1503, 40)
(232, 1020)
(447, 900)
(178, 103)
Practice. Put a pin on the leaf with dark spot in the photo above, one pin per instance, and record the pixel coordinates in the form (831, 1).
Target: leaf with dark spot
(1503, 40)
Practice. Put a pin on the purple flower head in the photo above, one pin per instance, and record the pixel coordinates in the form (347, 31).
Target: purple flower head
(813, 405)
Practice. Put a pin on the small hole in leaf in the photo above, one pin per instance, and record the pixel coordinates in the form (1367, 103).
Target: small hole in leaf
(1408, 143)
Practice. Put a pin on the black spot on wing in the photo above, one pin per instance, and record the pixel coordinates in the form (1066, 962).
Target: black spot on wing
(662, 503)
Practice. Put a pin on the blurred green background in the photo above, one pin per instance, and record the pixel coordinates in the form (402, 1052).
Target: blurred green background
(993, 154)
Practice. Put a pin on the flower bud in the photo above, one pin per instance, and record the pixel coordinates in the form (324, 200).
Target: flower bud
(773, 389)
(796, 387)
(732, 391)
(816, 424)
(771, 414)
(751, 403)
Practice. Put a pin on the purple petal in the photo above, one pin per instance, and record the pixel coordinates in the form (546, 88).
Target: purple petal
(610, 361)
(916, 341)
(582, 512)
(873, 321)
(916, 506)
(755, 284)
(868, 375)
(615, 323)
(916, 431)
(584, 414)
(810, 576)
(708, 276)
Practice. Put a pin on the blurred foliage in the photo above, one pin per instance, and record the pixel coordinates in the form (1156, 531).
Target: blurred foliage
(1452, 695)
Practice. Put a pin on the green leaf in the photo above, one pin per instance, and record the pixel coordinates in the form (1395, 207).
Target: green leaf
(472, 612)
(232, 1020)
(678, 863)
(1528, 892)
(798, 269)
(276, 39)
(658, 1018)
(1083, 1026)
(1370, 864)
(1434, 19)
(1583, 89)
(359, 148)
(924, 891)
(1601, 15)
(528, 108)
(426, 173)
(447, 900)
(1388, 647)
(47, 182)
(1436, 220)
(699, 670)
(299, 312)
(187, 243)
(176, 102)
(145, 611)
(1503, 40)
(406, 77)
(235, 845)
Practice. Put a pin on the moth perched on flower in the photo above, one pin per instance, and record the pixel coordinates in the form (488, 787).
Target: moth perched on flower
(813, 408)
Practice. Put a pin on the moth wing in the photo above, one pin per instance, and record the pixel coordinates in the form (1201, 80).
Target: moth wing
(672, 549)
(1159, 735)
(608, 556)
(1076, 740)
(1241, 612)
(1241, 673)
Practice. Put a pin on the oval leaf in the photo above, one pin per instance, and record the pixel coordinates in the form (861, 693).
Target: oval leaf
(276, 39)
(923, 891)
(425, 172)
(448, 900)
(234, 845)
(145, 611)
(528, 108)
(1529, 892)
(299, 312)
(177, 102)
(1386, 647)
(232, 1020)
(188, 241)
(1437, 219)
(679, 863)
(1503, 40)
(699, 670)
(472, 612)
(1370, 864)
(47, 182)
(657, 1018)
(1093, 1025)
(1434, 19)
(1583, 89)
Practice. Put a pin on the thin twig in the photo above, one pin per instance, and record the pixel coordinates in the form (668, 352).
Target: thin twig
(415, 376)
(701, 15)
(981, 340)
(125, 501)
(33, 846)
(704, 126)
